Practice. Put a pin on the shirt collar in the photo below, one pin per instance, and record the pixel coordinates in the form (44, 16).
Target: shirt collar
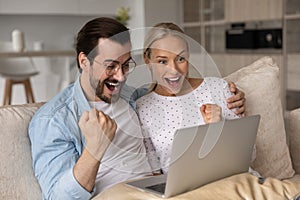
(80, 98)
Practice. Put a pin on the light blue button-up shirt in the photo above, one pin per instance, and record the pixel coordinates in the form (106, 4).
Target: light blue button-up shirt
(57, 141)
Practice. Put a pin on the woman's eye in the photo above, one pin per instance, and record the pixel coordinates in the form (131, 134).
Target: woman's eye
(162, 62)
(181, 59)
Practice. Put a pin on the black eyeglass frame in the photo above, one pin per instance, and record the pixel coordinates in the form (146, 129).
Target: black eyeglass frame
(112, 69)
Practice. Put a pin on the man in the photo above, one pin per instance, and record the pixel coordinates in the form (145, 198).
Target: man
(87, 138)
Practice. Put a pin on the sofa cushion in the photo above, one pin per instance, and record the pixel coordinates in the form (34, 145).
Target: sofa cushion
(261, 84)
(17, 180)
(294, 138)
(240, 186)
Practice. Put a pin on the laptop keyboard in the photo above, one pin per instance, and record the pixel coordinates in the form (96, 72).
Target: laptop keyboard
(158, 188)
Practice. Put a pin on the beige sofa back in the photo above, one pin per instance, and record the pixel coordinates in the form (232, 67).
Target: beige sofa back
(294, 138)
(17, 180)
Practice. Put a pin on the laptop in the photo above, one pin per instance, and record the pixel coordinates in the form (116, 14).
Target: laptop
(203, 154)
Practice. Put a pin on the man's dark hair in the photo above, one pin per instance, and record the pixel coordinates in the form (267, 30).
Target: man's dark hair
(103, 27)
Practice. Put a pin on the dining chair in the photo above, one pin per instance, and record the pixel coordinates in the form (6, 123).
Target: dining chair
(16, 70)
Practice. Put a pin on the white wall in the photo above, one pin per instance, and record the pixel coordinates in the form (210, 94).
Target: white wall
(57, 32)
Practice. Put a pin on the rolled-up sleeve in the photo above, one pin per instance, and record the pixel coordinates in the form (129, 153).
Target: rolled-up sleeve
(68, 188)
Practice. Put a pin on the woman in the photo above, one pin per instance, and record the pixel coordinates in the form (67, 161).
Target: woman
(176, 100)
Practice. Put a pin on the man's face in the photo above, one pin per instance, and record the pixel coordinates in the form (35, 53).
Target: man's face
(106, 75)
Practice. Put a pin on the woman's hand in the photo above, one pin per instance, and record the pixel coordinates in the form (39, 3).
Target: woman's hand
(211, 113)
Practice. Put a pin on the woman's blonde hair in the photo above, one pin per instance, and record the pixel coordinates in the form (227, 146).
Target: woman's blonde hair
(160, 31)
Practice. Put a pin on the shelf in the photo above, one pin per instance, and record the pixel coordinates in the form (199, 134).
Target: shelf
(192, 24)
(292, 16)
(206, 23)
(255, 51)
(214, 23)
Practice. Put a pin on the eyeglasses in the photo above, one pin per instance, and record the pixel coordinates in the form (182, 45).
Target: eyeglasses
(111, 67)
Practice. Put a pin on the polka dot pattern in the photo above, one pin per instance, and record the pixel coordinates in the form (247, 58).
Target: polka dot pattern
(161, 116)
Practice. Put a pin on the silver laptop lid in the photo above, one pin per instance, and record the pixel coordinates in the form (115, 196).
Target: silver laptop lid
(207, 153)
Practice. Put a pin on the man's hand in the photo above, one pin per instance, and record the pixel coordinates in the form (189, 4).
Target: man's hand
(99, 130)
(211, 113)
(237, 101)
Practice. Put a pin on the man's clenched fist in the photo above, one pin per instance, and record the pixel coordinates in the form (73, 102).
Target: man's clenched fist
(99, 130)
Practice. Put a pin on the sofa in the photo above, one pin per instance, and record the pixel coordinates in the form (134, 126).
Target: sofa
(277, 148)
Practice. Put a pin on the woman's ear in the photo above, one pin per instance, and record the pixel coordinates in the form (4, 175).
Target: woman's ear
(146, 57)
(83, 61)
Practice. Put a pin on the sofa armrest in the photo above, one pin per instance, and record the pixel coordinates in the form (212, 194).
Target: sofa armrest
(294, 138)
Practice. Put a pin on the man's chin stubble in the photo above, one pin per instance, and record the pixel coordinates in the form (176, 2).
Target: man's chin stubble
(99, 94)
(106, 99)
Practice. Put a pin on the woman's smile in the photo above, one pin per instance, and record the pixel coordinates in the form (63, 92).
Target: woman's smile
(174, 82)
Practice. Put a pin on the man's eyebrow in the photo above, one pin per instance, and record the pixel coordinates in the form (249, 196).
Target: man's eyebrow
(111, 60)
(115, 61)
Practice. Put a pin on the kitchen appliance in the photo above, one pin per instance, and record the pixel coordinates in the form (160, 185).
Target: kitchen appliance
(240, 37)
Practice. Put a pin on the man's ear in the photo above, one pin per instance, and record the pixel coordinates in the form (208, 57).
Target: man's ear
(83, 61)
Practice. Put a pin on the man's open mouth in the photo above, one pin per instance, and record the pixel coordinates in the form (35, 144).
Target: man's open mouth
(112, 85)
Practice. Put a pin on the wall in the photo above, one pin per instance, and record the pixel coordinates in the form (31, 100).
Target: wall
(57, 32)
(162, 10)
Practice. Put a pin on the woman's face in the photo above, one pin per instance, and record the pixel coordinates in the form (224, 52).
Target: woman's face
(169, 64)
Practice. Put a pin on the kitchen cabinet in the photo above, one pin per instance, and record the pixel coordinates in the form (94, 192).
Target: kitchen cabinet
(293, 72)
(292, 53)
(248, 10)
(206, 21)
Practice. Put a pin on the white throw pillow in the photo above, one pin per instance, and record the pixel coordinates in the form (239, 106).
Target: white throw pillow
(261, 84)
